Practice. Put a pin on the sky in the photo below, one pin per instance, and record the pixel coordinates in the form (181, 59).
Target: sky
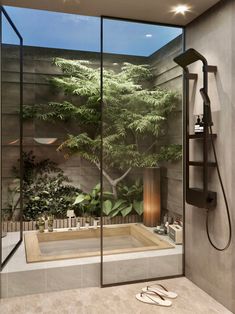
(77, 32)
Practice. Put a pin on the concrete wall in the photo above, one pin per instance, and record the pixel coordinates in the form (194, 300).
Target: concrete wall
(169, 75)
(213, 35)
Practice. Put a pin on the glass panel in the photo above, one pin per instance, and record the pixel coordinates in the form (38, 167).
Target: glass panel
(61, 121)
(142, 151)
(10, 139)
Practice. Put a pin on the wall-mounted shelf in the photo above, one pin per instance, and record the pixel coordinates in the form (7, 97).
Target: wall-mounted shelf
(198, 196)
(201, 163)
(199, 136)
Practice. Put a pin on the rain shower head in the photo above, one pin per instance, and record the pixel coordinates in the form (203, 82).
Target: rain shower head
(188, 57)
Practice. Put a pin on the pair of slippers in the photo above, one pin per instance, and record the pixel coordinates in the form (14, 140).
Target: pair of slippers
(156, 294)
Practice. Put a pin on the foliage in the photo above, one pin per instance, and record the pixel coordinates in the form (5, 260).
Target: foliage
(89, 203)
(45, 188)
(170, 153)
(32, 167)
(129, 200)
(134, 116)
(47, 192)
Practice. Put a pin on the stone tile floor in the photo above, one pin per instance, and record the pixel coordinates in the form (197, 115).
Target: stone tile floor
(119, 299)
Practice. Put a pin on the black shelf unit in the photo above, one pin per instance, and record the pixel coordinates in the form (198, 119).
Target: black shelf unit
(198, 136)
(201, 163)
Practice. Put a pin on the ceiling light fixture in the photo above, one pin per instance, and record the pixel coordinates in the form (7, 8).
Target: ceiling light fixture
(181, 9)
(148, 35)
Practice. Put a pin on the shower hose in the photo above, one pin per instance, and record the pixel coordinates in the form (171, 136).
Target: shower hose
(225, 200)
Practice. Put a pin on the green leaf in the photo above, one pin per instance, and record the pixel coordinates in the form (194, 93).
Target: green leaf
(97, 187)
(94, 202)
(107, 207)
(79, 199)
(138, 207)
(125, 211)
(115, 212)
(87, 197)
(118, 203)
(107, 193)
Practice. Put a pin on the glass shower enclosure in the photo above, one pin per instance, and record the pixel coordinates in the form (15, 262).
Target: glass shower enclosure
(11, 137)
(141, 161)
(109, 123)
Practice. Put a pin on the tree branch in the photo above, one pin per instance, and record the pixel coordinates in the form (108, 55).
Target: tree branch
(151, 146)
(110, 180)
(122, 177)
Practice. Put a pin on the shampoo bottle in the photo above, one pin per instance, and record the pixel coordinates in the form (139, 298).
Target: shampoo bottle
(197, 125)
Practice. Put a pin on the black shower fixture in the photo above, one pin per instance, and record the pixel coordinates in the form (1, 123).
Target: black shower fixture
(195, 196)
(201, 197)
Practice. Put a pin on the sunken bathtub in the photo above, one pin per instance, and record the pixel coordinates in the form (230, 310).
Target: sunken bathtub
(60, 245)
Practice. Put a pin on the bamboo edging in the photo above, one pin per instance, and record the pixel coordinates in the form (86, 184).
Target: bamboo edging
(14, 226)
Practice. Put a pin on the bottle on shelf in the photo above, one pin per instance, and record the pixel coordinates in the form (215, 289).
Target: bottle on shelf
(197, 125)
(202, 125)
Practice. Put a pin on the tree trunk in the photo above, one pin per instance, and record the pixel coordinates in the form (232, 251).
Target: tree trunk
(113, 182)
(16, 211)
(114, 190)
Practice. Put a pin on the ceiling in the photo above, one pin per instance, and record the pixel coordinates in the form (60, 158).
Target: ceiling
(146, 10)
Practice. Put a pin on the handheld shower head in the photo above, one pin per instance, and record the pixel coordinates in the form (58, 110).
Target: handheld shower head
(207, 102)
(205, 97)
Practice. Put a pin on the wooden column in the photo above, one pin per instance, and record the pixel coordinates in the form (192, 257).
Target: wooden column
(152, 197)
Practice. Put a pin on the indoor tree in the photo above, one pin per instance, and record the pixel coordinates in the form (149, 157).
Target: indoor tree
(133, 114)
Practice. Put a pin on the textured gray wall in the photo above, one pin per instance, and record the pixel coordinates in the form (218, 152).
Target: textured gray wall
(169, 75)
(213, 36)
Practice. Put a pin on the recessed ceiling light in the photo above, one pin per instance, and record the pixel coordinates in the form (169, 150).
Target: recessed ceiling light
(181, 9)
(148, 35)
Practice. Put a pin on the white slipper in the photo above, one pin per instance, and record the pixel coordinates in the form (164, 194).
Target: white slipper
(154, 299)
(161, 290)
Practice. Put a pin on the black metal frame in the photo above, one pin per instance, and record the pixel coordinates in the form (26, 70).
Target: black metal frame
(102, 284)
(3, 11)
(202, 198)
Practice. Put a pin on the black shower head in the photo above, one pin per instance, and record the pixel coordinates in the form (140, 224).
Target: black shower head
(188, 57)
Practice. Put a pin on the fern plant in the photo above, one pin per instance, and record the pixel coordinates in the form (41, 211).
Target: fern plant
(134, 117)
